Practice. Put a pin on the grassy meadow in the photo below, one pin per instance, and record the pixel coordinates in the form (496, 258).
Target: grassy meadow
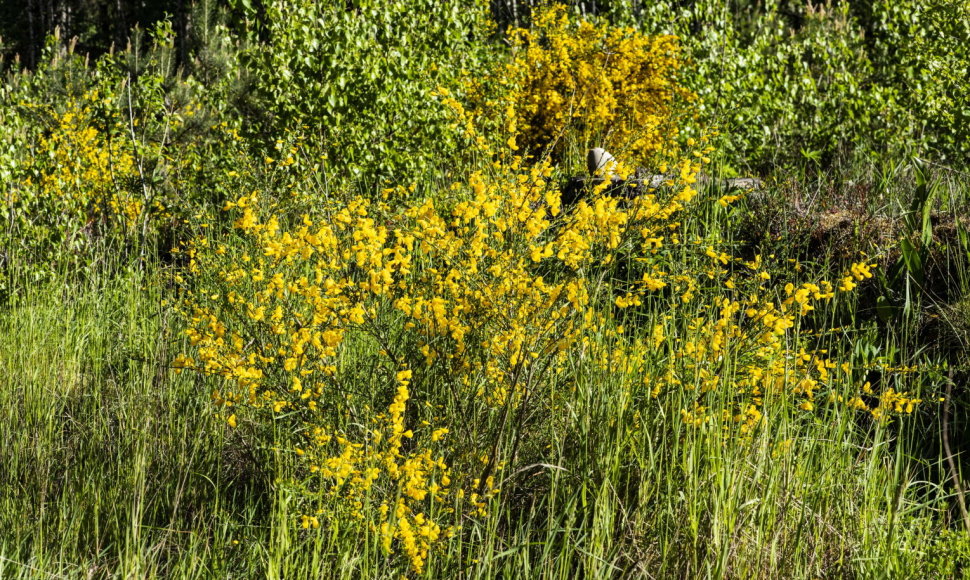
(293, 290)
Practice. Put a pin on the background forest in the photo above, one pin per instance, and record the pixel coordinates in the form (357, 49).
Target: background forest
(324, 289)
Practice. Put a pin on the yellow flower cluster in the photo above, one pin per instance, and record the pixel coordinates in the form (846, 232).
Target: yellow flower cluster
(579, 82)
(84, 168)
(889, 402)
(411, 479)
(857, 273)
(739, 352)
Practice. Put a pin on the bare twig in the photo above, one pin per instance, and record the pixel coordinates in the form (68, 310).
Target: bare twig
(954, 474)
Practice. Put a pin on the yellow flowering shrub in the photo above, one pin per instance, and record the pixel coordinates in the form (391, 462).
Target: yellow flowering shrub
(79, 182)
(85, 169)
(386, 335)
(98, 177)
(584, 83)
(486, 292)
(736, 342)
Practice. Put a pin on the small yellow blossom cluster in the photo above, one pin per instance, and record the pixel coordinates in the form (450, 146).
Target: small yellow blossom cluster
(586, 83)
(889, 402)
(736, 350)
(738, 355)
(406, 479)
(857, 273)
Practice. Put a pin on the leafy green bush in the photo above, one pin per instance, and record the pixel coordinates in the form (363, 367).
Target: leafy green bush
(358, 80)
(822, 84)
(919, 47)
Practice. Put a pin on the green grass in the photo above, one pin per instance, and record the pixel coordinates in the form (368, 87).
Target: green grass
(113, 465)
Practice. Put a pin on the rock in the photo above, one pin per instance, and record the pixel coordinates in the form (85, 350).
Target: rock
(748, 183)
(600, 159)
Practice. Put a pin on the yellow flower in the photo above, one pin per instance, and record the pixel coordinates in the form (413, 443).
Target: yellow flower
(847, 284)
